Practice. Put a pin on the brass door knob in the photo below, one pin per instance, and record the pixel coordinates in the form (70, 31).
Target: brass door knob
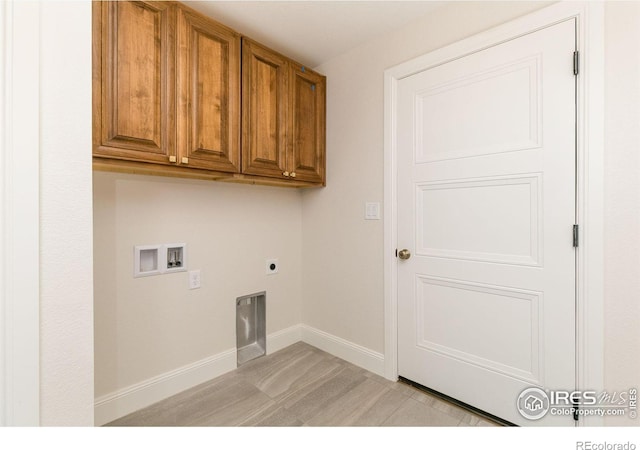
(404, 254)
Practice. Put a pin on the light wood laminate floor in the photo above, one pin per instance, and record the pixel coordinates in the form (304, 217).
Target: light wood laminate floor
(302, 386)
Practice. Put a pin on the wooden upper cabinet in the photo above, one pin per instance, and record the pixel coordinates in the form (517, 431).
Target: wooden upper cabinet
(208, 80)
(133, 79)
(177, 93)
(283, 117)
(307, 125)
(264, 111)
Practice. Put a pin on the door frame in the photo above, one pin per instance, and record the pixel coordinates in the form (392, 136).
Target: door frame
(590, 178)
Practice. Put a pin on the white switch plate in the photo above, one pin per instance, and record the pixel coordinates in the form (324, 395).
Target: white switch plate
(272, 266)
(372, 211)
(194, 279)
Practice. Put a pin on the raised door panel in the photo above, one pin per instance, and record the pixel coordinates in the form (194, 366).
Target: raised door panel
(307, 125)
(264, 109)
(208, 94)
(134, 82)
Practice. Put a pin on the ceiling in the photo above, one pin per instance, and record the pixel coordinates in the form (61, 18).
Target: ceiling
(313, 32)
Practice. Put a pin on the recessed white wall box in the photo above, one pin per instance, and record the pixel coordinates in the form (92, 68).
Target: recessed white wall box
(159, 259)
(146, 260)
(176, 255)
(272, 266)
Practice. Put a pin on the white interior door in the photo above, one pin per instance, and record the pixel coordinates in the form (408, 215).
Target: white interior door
(486, 206)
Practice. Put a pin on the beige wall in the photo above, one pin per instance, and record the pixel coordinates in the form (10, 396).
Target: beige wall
(622, 199)
(145, 327)
(342, 253)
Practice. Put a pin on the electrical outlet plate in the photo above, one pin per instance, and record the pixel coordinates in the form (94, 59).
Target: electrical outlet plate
(272, 266)
(194, 279)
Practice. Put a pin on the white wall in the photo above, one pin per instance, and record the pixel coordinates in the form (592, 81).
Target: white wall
(3, 204)
(46, 213)
(149, 326)
(622, 199)
(19, 214)
(66, 297)
(342, 253)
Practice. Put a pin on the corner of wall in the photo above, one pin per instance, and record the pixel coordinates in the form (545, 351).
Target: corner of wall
(66, 246)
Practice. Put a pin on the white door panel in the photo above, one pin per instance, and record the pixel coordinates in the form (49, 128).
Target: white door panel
(512, 90)
(486, 205)
(482, 308)
(473, 233)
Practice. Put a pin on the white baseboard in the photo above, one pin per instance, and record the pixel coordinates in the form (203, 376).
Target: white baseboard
(347, 350)
(283, 338)
(125, 401)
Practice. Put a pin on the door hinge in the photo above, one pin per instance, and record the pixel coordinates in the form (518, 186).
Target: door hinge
(576, 62)
(576, 235)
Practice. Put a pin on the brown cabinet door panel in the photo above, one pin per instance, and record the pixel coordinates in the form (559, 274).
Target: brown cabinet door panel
(208, 94)
(264, 109)
(134, 70)
(307, 125)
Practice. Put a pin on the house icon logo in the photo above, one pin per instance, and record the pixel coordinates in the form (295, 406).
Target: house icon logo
(533, 403)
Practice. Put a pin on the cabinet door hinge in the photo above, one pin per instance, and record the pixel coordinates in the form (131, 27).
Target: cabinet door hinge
(576, 62)
(576, 235)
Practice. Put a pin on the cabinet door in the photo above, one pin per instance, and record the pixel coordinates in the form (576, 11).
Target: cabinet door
(264, 109)
(133, 80)
(307, 140)
(208, 94)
